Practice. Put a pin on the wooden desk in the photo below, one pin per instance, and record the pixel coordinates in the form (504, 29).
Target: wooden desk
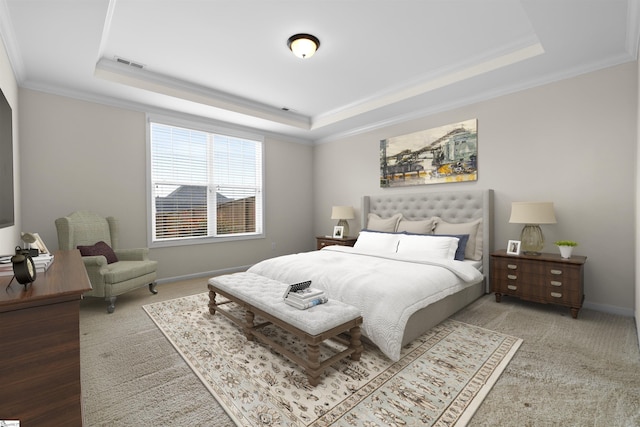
(40, 345)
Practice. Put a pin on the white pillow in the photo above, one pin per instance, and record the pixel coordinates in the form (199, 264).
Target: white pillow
(473, 229)
(423, 226)
(427, 246)
(377, 242)
(387, 225)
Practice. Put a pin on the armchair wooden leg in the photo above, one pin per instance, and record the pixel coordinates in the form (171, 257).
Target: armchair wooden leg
(152, 288)
(112, 304)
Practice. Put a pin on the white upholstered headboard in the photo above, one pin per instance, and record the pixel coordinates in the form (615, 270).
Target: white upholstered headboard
(451, 206)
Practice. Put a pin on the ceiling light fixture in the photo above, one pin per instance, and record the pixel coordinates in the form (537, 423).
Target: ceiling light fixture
(303, 45)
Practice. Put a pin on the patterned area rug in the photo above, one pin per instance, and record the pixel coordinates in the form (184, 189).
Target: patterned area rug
(440, 380)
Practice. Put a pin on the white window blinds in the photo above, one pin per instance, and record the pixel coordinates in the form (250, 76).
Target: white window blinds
(204, 184)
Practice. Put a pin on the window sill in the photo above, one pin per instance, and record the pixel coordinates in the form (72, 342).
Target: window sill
(203, 240)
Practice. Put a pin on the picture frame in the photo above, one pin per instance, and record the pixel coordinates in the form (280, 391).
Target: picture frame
(513, 247)
(338, 232)
(440, 155)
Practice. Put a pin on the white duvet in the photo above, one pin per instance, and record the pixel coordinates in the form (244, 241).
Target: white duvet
(387, 288)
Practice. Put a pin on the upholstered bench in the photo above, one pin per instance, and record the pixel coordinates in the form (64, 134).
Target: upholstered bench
(262, 296)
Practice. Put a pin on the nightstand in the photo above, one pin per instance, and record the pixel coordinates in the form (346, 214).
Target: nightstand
(545, 278)
(323, 241)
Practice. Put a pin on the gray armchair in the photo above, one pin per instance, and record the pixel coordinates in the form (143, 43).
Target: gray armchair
(112, 271)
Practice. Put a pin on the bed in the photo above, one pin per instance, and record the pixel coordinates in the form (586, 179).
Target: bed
(388, 287)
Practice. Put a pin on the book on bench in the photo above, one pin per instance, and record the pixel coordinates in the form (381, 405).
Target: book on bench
(306, 304)
(302, 296)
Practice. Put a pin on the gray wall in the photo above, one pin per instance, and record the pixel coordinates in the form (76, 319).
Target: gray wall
(81, 155)
(637, 223)
(572, 142)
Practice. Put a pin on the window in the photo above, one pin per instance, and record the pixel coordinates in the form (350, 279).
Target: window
(204, 185)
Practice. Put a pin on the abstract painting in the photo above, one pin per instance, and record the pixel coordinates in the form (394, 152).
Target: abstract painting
(434, 156)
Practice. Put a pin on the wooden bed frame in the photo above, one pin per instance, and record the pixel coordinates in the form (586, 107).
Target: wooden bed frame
(453, 207)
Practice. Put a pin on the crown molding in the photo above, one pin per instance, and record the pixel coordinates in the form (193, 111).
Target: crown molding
(633, 28)
(143, 79)
(481, 97)
(148, 109)
(7, 34)
(515, 52)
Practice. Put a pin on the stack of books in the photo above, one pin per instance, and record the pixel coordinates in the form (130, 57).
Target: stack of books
(6, 268)
(302, 296)
(42, 262)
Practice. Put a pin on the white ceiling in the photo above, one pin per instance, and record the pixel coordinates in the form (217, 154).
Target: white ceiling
(379, 62)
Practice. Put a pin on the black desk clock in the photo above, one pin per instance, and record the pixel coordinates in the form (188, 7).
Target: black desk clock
(24, 268)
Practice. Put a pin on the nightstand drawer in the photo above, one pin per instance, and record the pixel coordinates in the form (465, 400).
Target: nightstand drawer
(512, 287)
(567, 277)
(512, 266)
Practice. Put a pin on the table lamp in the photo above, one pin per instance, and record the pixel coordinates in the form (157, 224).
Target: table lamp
(343, 213)
(29, 238)
(532, 214)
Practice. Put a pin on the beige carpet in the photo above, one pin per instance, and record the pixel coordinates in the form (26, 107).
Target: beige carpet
(568, 372)
(439, 380)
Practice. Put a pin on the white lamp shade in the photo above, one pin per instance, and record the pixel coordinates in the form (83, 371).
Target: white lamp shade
(532, 213)
(28, 238)
(342, 212)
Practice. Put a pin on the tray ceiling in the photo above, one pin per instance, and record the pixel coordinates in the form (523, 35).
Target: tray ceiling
(379, 62)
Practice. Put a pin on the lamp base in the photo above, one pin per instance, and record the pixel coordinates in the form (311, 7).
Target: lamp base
(345, 224)
(531, 239)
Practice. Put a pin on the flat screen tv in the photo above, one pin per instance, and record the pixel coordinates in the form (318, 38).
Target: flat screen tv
(7, 218)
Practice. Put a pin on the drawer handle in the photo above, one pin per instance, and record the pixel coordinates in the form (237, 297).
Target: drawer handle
(512, 266)
(556, 272)
(556, 283)
(512, 276)
(512, 287)
(556, 294)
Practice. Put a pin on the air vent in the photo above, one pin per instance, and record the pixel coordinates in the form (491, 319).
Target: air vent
(129, 63)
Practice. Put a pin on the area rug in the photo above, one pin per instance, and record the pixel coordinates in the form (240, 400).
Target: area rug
(440, 379)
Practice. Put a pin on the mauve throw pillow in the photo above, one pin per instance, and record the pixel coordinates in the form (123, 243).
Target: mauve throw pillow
(100, 248)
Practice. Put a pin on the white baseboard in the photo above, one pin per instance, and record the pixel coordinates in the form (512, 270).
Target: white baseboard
(203, 274)
(611, 309)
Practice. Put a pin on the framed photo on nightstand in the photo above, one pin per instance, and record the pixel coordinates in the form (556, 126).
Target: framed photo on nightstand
(338, 231)
(513, 247)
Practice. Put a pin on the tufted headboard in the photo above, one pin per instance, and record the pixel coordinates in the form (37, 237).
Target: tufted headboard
(451, 206)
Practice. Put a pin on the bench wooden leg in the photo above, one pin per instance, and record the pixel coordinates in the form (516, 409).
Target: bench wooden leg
(355, 343)
(313, 355)
(212, 302)
(248, 318)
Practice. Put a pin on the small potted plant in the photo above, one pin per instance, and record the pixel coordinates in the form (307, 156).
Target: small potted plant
(566, 247)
